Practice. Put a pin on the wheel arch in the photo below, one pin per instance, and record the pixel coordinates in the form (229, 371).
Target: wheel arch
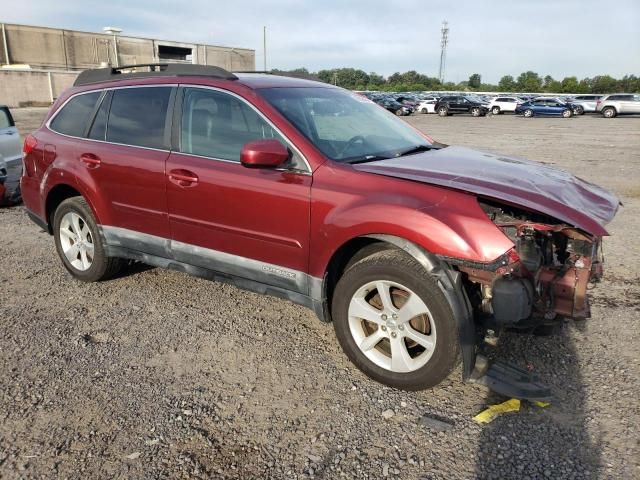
(58, 194)
(448, 279)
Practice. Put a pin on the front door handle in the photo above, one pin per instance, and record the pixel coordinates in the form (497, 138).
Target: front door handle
(90, 160)
(183, 178)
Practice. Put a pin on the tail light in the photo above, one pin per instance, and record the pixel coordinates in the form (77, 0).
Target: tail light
(30, 144)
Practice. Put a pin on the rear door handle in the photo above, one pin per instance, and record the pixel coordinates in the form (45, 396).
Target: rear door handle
(90, 160)
(183, 178)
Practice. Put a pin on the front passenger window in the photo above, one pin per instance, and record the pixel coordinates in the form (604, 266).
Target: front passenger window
(217, 125)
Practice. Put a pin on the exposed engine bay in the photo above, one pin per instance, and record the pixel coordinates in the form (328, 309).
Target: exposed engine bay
(543, 279)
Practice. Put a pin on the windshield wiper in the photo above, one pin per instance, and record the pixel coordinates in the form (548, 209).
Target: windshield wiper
(416, 149)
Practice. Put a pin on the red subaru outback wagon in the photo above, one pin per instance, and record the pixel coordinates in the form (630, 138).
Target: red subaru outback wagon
(420, 253)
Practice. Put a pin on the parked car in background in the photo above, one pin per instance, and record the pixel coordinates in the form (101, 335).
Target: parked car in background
(427, 106)
(11, 153)
(619, 104)
(585, 103)
(575, 109)
(393, 106)
(456, 104)
(3, 179)
(408, 101)
(503, 104)
(551, 107)
(254, 180)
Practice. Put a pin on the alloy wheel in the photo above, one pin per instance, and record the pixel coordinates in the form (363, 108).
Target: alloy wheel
(76, 241)
(392, 326)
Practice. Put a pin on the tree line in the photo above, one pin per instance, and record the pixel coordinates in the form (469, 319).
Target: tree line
(529, 81)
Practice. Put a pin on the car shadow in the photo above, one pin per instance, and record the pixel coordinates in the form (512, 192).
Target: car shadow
(132, 268)
(541, 442)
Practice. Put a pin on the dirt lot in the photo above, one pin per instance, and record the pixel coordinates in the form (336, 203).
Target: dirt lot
(160, 375)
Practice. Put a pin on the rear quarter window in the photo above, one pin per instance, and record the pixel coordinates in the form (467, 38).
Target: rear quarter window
(6, 120)
(72, 119)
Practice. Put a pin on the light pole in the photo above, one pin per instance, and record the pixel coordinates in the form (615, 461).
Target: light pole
(264, 46)
(115, 31)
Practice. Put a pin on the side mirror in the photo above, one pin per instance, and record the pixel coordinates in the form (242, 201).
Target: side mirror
(263, 154)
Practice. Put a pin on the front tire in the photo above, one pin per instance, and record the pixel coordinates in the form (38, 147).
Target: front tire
(443, 111)
(394, 323)
(79, 243)
(475, 111)
(609, 112)
(528, 113)
(567, 114)
(495, 110)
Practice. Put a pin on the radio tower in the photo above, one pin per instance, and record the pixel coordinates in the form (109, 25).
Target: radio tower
(443, 52)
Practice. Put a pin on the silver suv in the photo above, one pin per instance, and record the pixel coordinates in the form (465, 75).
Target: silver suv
(618, 104)
(586, 103)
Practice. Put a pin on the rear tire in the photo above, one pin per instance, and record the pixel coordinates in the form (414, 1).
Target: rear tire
(495, 110)
(579, 110)
(79, 244)
(609, 112)
(399, 112)
(424, 110)
(528, 113)
(443, 111)
(406, 337)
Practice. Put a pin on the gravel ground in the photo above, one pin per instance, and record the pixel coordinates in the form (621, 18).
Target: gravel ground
(159, 375)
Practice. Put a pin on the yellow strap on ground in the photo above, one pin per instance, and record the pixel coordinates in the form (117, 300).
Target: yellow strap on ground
(493, 411)
(540, 404)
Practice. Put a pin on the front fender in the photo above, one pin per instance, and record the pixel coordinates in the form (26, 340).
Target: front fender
(347, 204)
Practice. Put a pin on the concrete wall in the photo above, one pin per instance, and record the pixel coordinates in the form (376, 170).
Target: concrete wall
(20, 88)
(57, 49)
(56, 56)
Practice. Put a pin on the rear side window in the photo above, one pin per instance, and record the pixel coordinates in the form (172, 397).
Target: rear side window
(6, 120)
(138, 116)
(215, 124)
(621, 97)
(73, 118)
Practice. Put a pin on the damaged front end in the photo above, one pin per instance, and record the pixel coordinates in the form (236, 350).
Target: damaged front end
(532, 288)
(542, 280)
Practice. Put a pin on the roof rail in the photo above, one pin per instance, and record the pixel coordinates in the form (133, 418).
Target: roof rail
(99, 75)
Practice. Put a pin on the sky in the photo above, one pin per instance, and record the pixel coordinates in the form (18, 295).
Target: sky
(492, 37)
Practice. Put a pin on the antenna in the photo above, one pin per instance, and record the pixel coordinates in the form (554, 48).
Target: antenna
(443, 51)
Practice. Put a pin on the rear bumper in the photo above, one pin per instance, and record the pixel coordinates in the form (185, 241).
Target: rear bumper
(30, 189)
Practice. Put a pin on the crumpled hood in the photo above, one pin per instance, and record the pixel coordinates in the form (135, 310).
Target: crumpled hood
(523, 183)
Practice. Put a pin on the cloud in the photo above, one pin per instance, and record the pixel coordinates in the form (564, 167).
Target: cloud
(491, 38)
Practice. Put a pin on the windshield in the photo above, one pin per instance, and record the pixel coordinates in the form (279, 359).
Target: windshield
(344, 126)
